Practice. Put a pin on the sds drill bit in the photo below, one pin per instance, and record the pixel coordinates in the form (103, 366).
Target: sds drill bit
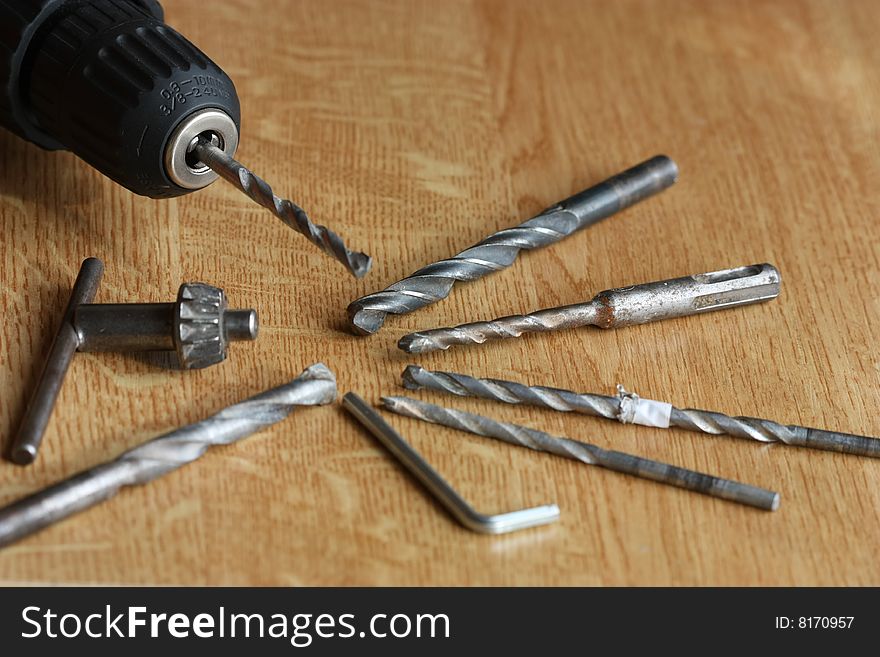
(258, 190)
(514, 434)
(636, 304)
(316, 385)
(498, 251)
(709, 422)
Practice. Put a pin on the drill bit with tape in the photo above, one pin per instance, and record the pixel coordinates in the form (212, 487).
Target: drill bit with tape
(627, 407)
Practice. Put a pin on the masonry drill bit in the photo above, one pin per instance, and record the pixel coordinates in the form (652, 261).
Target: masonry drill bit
(515, 434)
(498, 251)
(619, 307)
(316, 385)
(258, 190)
(610, 408)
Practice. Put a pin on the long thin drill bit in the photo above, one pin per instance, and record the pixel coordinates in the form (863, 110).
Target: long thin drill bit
(316, 385)
(514, 434)
(625, 306)
(498, 251)
(289, 212)
(709, 422)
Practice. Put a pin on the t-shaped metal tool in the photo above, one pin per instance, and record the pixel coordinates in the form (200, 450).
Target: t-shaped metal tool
(197, 326)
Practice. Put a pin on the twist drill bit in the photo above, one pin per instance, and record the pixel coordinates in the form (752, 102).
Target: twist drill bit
(619, 307)
(289, 212)
(498, 251)
(514, 434)
(709, 422)
(316, 385)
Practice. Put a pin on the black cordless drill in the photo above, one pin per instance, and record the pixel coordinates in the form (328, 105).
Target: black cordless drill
(111, 82)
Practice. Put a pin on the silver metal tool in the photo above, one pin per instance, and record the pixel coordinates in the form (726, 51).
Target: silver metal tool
(498, 251)
(514, 434)
(197, 326)
(316, 385)
(213, 156)
(636, 304)
(501, 523)
(710, 422)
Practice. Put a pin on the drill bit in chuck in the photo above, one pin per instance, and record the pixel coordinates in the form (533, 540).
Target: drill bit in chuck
(316, 385)
(290, 213)
(498, 251)
(636, 304)
(514, 434)
(709, 422)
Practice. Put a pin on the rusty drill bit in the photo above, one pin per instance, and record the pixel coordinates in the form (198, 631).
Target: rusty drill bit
(710, 422)
(636, 304)
(498, 251)
(316, 385)
(289, 212)
(514, 434)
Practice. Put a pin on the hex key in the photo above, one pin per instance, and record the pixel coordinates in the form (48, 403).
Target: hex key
(501, 523)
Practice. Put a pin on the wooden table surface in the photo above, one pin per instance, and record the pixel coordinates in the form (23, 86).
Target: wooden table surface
(414, 129)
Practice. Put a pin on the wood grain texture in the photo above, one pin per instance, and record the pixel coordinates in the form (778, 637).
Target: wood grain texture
(414, 129)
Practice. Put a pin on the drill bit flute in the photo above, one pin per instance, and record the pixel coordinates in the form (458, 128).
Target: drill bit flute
(316, 385)
(636, 304)
(259, 191)
(637, 466)
(710, 422)
(498, 251)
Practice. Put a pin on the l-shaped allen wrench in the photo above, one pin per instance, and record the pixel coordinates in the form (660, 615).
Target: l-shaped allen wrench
(501, 523)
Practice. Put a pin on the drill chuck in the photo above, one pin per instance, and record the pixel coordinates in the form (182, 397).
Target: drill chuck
(111, 82)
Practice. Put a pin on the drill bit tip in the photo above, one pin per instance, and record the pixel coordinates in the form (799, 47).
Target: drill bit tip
(365, 322)
(318, 371)
(419, 343)
(393, 403)
(315, 386)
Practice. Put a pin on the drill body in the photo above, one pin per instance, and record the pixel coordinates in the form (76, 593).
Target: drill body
(111, 82)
